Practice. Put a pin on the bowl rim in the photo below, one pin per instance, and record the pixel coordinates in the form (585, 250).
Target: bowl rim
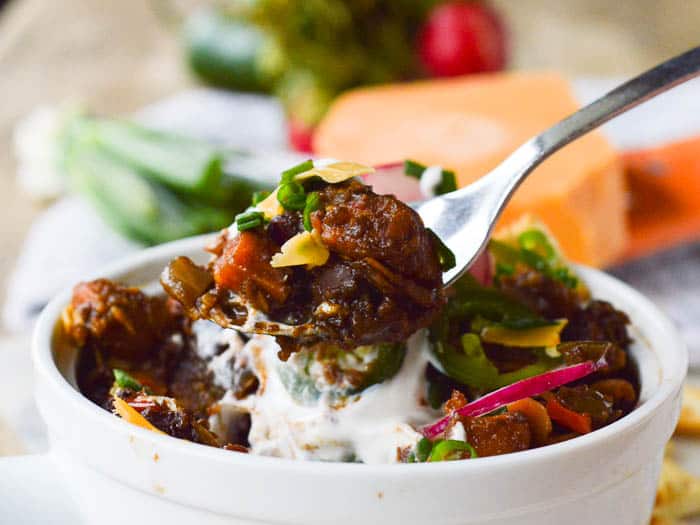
(673, 368)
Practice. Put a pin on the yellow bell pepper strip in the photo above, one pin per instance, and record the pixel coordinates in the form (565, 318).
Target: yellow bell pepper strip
(131, 415)
(539, 336)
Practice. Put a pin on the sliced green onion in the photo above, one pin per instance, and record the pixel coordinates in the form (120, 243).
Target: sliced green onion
(448, 181)
(451, 449)
(125, 380)
(249, 220)
(288, 175)
(259, 196)
(413, 168)
(445, 255)
(312, 204)
(291, 196)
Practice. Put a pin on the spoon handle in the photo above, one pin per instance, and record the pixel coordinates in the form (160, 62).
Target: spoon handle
(661, 78)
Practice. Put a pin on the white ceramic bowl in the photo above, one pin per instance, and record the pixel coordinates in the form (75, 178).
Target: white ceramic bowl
(122, 474)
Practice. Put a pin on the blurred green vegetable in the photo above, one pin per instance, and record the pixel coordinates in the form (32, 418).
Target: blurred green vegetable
(231, 52)
(150, 185)
(305, 51)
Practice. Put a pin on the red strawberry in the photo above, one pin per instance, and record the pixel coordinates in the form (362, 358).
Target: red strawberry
(462, 37)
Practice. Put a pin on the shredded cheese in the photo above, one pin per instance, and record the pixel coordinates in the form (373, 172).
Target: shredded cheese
(270, 207)
(304, 248)
(336, 172)
(131, 415)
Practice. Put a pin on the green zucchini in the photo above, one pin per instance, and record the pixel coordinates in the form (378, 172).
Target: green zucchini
(230, 52)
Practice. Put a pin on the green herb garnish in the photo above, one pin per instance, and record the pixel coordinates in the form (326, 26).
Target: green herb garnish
(413, 168)
(249, 220)
(125, 380)
(288, 175)
(448, 181)
(259, 196)
(312, 204)
(291, 196)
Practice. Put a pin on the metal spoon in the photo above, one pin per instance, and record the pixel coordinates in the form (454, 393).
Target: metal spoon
(464, 219)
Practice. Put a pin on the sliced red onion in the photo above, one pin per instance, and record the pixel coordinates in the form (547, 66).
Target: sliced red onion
(532, 386)
(391, 179)
(482, 269)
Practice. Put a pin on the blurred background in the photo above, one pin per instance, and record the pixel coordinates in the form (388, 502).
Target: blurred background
(116, 57)
(182, 66)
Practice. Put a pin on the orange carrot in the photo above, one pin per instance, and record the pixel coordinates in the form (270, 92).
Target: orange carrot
(664, 187)
(537, 417)
(580, 423)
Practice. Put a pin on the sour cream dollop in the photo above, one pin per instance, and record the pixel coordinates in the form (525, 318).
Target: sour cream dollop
(370, 427)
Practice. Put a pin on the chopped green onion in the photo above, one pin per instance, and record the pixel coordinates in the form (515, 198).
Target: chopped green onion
(564, 275)
(125, 380)
(451, 449)
(288, 175)
(445, 255)
(448, 181)
(312, 204)
(249, 220)
(291, 196)
(423, 449)
(536, 241)
(413, 168)
(259, 196)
